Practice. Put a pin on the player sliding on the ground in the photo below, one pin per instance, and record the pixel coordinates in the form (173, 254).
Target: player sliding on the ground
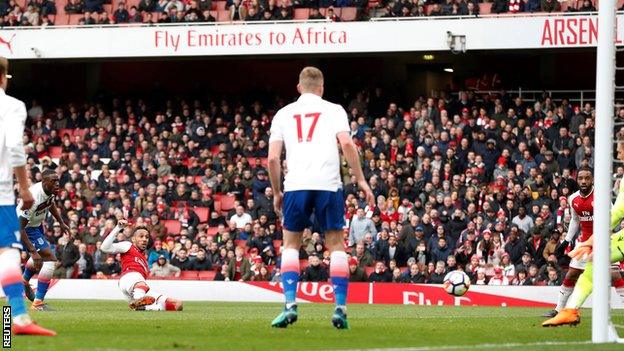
(309, 130)
(34, 240)
(582, 208)
(584, 286)
(134, 270)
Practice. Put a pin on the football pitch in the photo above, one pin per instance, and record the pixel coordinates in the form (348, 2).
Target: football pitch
(109, 325)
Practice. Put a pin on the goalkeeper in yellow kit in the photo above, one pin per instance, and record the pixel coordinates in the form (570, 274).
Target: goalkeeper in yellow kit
(583, 288)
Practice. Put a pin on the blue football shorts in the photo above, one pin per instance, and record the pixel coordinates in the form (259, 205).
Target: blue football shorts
(9, 228)
(327, 206)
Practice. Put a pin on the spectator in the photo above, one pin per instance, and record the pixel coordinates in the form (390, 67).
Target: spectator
(181, 260)
(162, 268)
(94, 6)
(393, 251)
(360, 226)
(201, 263)
(85, 263)
(364, 257)
(147, 5)
(239, 268)
(111, 267)
(263, 275)
(154, 253)
(498, 278)
(414, 275)
(74, 7)
(524, 222)
(356, 273)
(121, 15)
(441, 251)
(315, 272)
(240, 218)
(550, 5)
(380, 274)
(437, 277)
(69, 255)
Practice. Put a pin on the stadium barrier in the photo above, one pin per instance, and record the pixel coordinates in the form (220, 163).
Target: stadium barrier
(365, 293)
(491, 33)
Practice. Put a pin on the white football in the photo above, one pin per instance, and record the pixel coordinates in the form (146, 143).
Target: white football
(456, 283)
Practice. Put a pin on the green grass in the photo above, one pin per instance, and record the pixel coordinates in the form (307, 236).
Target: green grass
(109, 325)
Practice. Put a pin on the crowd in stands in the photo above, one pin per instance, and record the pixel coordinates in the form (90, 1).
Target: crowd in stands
(43, 12)
(477, 182)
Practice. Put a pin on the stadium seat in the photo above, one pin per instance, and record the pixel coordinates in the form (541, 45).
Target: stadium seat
(224, 16)
(485, 8)
(81, 132)
(56, 151)
(173, 226)
(227, 203)
(369, 270)
(348, 13)
(203, 213)
(212, 231)
(70, 132)
(277, 244)
(303, 264)
(73, 21)
(241, 243)
(188, 275)
(302, 14)
(219, 5)
(206, 275)
(217, 206)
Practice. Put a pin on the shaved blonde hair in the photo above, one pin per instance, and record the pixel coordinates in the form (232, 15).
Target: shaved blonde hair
(310, 79)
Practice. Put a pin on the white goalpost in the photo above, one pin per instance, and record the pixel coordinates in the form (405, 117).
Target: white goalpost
(602, 329)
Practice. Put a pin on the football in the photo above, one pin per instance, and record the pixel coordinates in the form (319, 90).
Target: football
(456, 283)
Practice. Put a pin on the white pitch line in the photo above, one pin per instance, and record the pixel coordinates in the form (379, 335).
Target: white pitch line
(479, 346)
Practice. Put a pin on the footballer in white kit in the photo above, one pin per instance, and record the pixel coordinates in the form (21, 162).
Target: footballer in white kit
(310, 130)
(34, 240)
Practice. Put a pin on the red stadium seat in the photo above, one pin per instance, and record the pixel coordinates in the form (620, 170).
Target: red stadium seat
(203, 213)
(188, 275)
(217, 206)
(73, 21)
(70, 132)
(227, 203)
(56, 151)
(241, 243)
(348, 13)
(206, 275)
(81, 132)
(369, 270)
(219, 5)
(173, 226)
(302, 14)
(212, 231)
(61, 19)
(303, 264)
(277, 244)
(485, 8)
(224, 16)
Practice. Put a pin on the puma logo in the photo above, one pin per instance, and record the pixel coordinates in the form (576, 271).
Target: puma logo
(7, 43)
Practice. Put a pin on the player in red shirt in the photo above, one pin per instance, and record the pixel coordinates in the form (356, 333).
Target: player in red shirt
(582, 209)
(134, 270)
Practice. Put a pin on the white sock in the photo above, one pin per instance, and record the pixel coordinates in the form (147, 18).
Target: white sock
(23, 319)
(138, 294)
(155, 307)
(564, 295)
(620, 292)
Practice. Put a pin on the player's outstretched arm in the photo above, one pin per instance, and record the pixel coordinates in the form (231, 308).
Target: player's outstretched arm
(109, 246)
(353, 159)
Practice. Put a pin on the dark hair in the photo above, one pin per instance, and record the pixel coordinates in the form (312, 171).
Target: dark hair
(140, 227)
(48, 172)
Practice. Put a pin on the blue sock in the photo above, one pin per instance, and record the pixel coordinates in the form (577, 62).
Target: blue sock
(42, 288)
(14, 293)
(340, 290)
(28, 273)
(289, 282)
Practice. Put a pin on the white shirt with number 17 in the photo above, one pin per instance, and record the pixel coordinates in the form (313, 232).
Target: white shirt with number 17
(308, 128)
